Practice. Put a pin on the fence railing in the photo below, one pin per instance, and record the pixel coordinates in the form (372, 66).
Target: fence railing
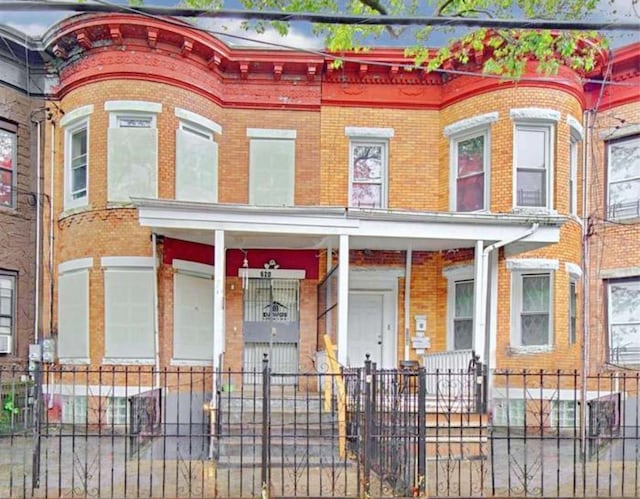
(137, 432)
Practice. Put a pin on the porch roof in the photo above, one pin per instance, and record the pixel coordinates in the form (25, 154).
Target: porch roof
(316, 227)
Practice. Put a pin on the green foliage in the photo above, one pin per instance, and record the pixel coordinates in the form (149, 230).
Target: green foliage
(504, 52)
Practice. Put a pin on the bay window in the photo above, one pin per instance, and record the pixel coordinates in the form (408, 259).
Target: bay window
(623, 176)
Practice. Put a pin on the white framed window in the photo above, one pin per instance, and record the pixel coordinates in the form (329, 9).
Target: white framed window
(196, 158)
(73, 311)
(460, 301)
(469, 171)
(74, 409)
(368, 174)
(509, 412)
(192, 313)
(7, 311)
(272, 154)
(573, 177)
(573, 311)
(533, 165)
(564, 414)
(623, 300)
(129, 310)
(117, 411)
(132, 150)
(623, 178)
(8, 163)
(76, 165)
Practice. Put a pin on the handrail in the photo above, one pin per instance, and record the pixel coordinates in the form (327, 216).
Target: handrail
(334, 374)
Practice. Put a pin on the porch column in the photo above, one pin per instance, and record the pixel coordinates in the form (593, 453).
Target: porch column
(218, 297)
(343, 298)
(479, 303)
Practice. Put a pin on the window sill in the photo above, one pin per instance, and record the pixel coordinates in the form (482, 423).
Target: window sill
(75, 211)
(189, 363)
(116, 361)
(8, 210)
(533, 211)
(114, 205)
(623, 220)
(530, 350)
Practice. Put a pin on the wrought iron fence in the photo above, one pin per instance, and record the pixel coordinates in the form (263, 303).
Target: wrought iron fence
(192, 432)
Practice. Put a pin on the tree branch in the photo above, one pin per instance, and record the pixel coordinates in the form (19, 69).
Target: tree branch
(375, 5)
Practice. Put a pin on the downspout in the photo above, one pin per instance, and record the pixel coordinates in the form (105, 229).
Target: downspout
(36, 315)
(407, 302)
(156, 332)
(490, 355)
(51, 216)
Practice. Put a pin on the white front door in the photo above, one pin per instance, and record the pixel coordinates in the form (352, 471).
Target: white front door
(370, 329)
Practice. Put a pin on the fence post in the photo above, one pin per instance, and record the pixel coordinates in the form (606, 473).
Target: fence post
(422, 423)
(37, 414)
(265, 464)
(368, 420)
(480, 387)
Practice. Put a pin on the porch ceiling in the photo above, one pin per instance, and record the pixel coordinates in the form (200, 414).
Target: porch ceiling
(320, 227)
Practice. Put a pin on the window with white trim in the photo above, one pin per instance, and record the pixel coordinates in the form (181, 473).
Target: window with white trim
(469, 165)
(132, 150)
(8, 164)
(460, 300)
(117, 411)
(564, 414)
(623, 175)
(368, 173)
(193, 313)
(73, 311)
(129, 310)
(624, 320)
(533, 153)
(531, 308)
(573, 177)
(76, 164)
(509, 412)
(74, 409)
(7, 311)
(272, 159)
(573, 311)
(196, 158)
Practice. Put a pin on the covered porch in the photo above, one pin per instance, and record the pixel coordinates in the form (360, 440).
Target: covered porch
(375, 269)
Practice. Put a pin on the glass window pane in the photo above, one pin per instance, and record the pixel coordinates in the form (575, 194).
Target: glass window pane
(79, 182)
(79, 143)
(624, 160)
(366, 195)
(625, 302)
(134, 122)
(470, 193)
(462, 334)
(535, 293)
(464, 299)
(367, 162)
(470, 156)
(5, 306)
(6, 185)
(531, 190)
(7, 145)
(535, 329)
(531, 148)
(624, 193)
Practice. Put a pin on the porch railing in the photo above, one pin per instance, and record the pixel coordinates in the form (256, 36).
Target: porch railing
(454, 361)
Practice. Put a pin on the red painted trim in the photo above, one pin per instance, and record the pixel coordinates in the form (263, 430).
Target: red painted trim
(306, 260)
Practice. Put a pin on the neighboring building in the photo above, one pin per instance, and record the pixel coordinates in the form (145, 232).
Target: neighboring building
(211, 204)
(21, 118)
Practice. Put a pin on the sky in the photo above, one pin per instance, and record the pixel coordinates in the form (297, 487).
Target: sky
(36, 23)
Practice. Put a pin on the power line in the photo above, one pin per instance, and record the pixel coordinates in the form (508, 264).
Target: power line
(322, 18)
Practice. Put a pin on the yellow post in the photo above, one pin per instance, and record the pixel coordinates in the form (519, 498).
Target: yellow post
(334, 374)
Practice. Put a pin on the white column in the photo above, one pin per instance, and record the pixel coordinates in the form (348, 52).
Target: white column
(343, 298)
(479, 295)
(218, 297)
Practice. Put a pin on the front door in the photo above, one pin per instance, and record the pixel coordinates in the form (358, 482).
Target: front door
(271, 326)
(370, 329)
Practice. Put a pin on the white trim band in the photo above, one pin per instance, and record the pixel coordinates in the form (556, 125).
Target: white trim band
(619, 132)
(183, 114)
(77, 264)
(573, 270)
(127, 261)
(116, 361)
(532, 264)
(133, 106)
(482, 120)
(271, 133)
(193, 267)
(577, 130)
(620, 273)
(458, 272)
(534, 113)
(370, 133)
(76, 114)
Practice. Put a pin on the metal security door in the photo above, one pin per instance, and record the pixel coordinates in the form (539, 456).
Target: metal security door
(271, 325)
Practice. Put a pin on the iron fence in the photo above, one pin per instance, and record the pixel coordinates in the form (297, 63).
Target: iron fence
(192, 432)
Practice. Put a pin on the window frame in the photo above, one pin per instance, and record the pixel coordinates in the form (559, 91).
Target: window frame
(610, 323)
(12, 130)
(69, 132)
(573, 311)
(453, 168)
(113, 412)
(558, 419)
(78, 405)
(455, 275)
(12, 277)
(549, 131)
(574, 154)
(384, 177)
(608, 209)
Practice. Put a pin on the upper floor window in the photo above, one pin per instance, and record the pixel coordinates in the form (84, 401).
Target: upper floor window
(271, 166)
(533, 157)
(470, 162)
(7, 312)
(8, 164)
(196, 158)
(577, 135)
(624, 178)
(132, 150)
(76, 156)
(624, 321)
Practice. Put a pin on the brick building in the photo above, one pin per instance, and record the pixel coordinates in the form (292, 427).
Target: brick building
(211, 204)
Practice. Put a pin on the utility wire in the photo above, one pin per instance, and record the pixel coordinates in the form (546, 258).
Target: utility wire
(324, 18)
